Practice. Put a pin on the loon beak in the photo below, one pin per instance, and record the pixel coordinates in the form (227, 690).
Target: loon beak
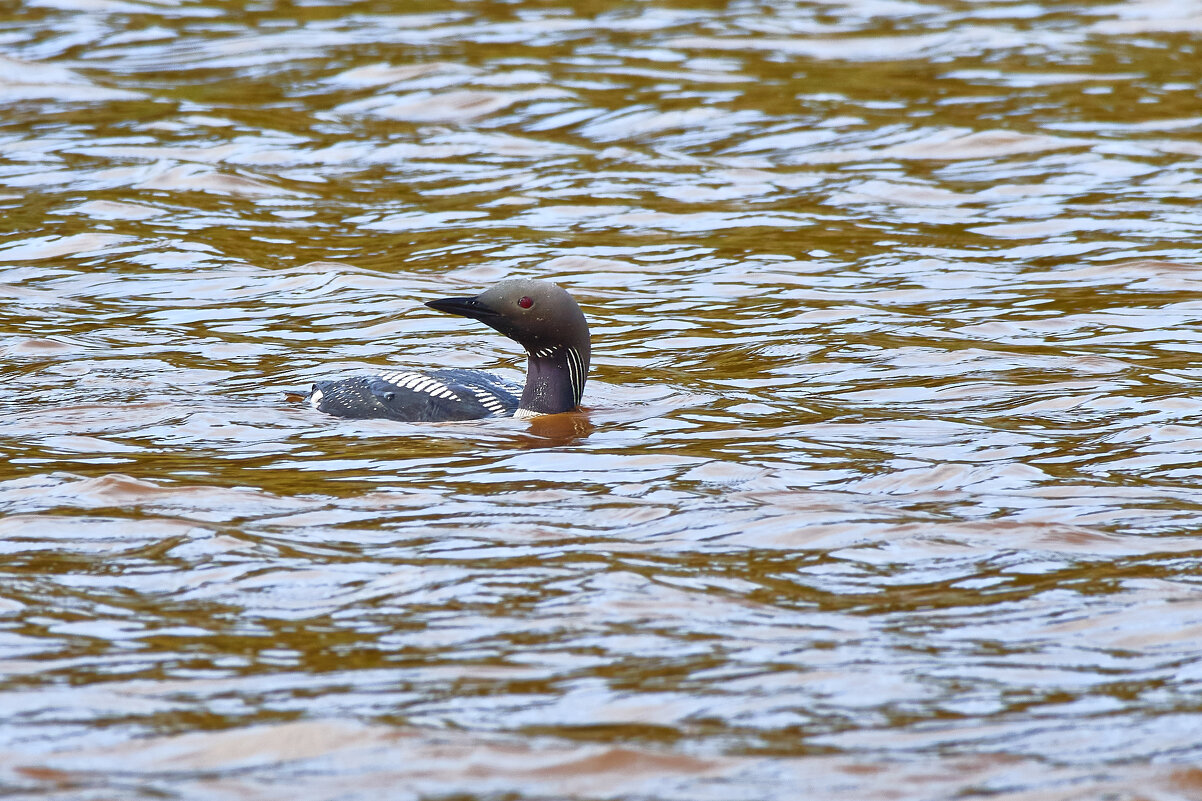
(464, 307)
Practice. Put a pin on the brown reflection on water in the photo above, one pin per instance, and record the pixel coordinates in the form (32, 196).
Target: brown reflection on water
(886, 484)
(559, 430)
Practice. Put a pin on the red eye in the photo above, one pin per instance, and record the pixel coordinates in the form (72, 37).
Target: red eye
(525, 302)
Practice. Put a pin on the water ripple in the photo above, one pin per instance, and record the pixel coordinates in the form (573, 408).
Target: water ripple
(885, 480)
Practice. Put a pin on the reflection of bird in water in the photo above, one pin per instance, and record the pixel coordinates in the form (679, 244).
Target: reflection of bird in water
(555, 430)
(539, 315)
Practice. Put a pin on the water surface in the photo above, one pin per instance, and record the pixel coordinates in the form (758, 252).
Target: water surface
(887, 484)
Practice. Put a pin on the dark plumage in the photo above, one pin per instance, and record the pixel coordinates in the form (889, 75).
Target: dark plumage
(538, 315)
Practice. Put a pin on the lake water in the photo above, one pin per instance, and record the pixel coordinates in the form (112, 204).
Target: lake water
(887, 484)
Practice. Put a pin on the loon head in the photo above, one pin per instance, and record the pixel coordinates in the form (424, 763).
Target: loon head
(545, 320)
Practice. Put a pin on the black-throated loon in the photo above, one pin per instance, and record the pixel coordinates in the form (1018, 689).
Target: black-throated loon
(539, 315)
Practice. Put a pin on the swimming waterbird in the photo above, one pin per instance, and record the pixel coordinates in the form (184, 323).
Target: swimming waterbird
(539, 315)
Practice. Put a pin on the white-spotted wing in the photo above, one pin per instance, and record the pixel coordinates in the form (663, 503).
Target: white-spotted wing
(417, 397)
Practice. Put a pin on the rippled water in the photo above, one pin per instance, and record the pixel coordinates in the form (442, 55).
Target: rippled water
(888, 480)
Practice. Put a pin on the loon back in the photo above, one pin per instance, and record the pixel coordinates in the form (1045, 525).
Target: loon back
(538, 315)
(413, 397)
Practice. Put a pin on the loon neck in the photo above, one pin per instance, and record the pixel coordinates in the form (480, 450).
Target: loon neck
(555, 379)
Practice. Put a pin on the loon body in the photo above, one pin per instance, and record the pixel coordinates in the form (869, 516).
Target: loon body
(538, 315)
